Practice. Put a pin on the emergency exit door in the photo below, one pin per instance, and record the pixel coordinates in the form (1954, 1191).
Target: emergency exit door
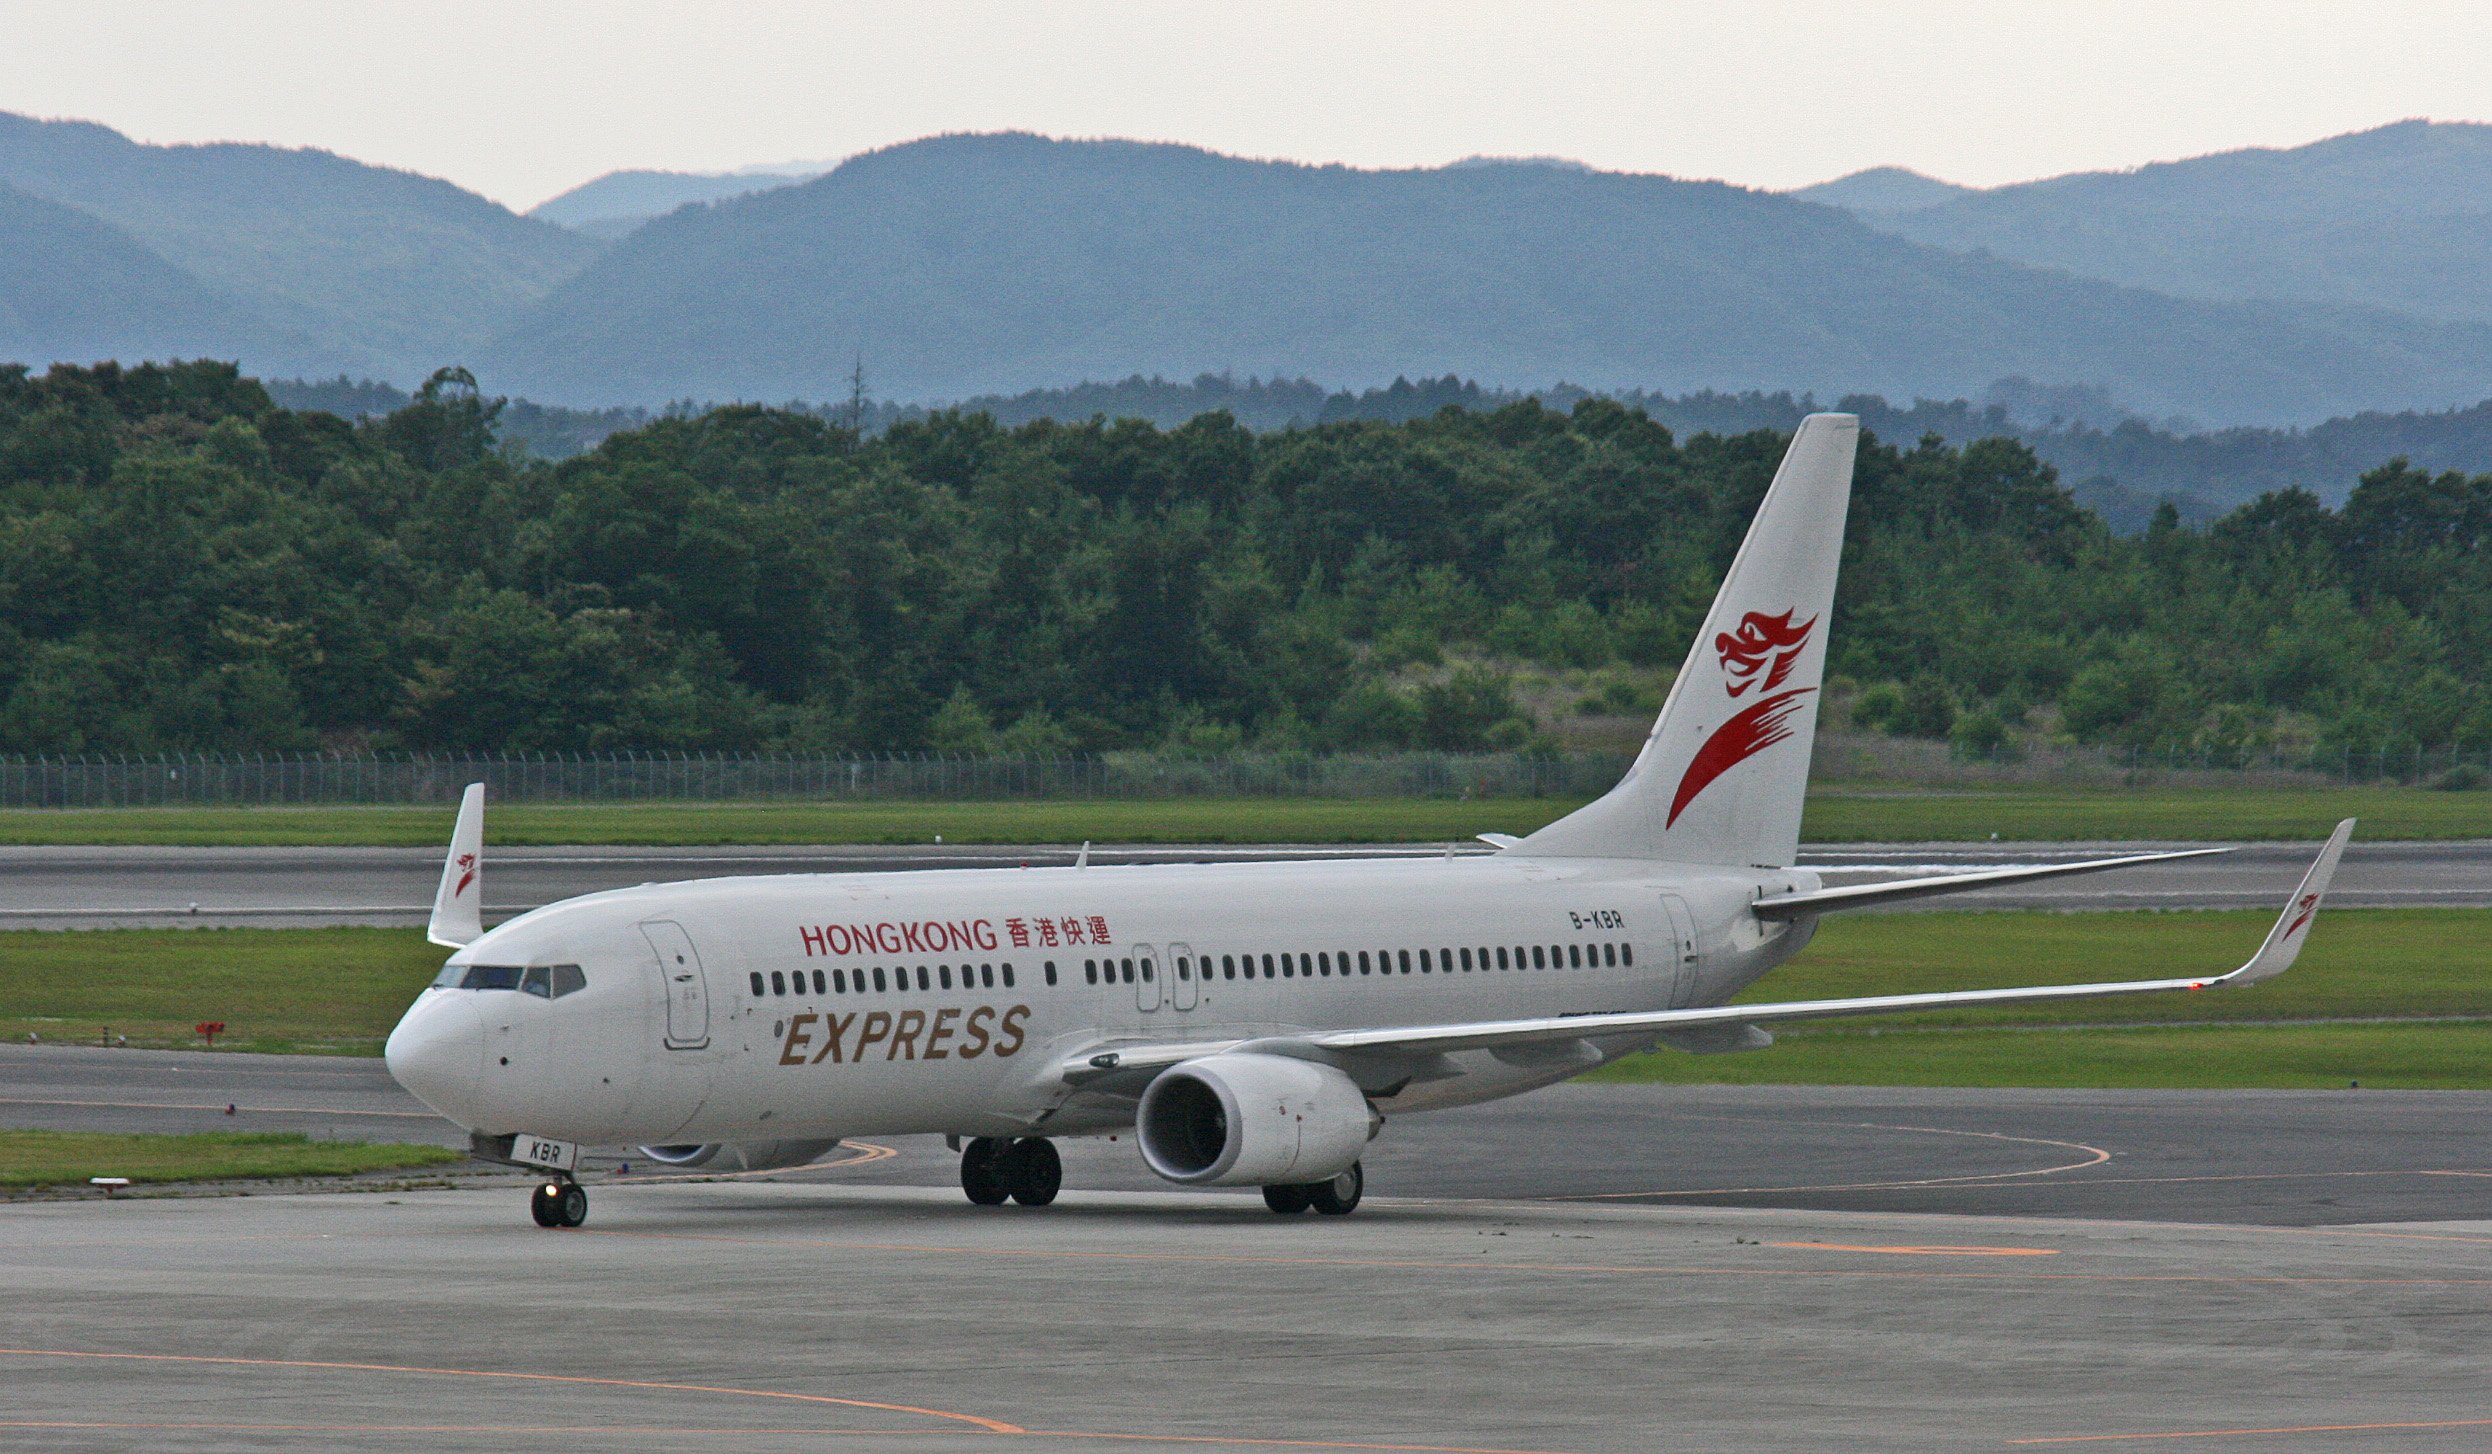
(1683, 959)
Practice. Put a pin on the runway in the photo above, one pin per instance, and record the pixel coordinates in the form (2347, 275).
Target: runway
(2264, 1158)
(1584, 1269)
(54, 888)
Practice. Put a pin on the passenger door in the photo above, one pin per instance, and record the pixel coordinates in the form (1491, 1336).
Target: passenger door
(1146, 978)
(1683, 959)
(686, 986)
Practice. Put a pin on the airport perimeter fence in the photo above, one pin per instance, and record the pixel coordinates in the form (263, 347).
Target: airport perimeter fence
(196, 780)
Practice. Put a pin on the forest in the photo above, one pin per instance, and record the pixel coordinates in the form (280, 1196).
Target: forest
(184, 565)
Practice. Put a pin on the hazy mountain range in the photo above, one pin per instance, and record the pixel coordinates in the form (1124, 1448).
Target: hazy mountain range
(2258, 286)
(618, 202)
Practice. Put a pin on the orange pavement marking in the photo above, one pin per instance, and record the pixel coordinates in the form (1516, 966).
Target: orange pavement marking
(1924, 1251)
(992, 1426)
(1586, 1268)
(607, 1429)
(2243, 1433)
(1236, 1441)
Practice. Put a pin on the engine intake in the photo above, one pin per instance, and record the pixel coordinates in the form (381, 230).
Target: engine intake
(1242, 1119)
(740, 1155)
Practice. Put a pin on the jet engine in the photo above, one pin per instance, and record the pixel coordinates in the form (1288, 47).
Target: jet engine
(1238, 1119)
(739, 1155)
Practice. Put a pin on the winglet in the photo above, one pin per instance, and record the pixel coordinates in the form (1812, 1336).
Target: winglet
(458, 905)
(2284, 942)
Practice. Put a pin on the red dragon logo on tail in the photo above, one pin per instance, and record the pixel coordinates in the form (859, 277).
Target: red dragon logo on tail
(1761, 653)
(1768, 644)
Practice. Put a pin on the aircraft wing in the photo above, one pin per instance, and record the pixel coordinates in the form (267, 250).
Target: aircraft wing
(2282, 946)
(1862, 896)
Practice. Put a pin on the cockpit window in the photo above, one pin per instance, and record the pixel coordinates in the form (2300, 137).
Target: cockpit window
(545, 981)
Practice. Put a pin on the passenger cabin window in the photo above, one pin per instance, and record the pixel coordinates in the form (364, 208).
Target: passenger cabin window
(1008, 976)
(757, 989)
(1626, 955)
(1051, 972)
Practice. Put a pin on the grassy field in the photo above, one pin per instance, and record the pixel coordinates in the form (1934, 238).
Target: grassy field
(335, 991)
(2426, 1056)
(1835, 814)
(2333, 1019)
(2391, 998)
(68, 1158)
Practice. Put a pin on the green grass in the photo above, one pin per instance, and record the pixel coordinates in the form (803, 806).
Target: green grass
(2428, 968)
(335, 991)
(1835, 814)
(58, 1158)
(1856, 814)
(1203, 820)
(339, 991)
(2426, 1056)
(2359, 964)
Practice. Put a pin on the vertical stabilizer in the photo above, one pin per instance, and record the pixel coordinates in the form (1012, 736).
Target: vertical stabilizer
(458, 905)
(1723, 774)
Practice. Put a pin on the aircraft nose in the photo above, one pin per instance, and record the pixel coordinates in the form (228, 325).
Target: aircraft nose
(438, 1053)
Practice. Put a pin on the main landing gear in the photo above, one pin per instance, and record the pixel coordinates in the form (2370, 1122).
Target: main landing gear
(559, 1203)
(994, 1170)
(1336, 1197)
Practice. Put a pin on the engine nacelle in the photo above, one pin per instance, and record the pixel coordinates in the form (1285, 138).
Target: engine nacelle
(739, 1155)
(1247, 1119)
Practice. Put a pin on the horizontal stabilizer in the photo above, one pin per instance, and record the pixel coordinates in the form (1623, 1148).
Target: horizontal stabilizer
(1864, 896)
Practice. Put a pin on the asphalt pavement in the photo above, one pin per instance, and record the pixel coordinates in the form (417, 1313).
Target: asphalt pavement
(1583, 1269)
(59, 887)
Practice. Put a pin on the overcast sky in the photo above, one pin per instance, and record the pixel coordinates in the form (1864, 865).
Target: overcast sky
(521, 101)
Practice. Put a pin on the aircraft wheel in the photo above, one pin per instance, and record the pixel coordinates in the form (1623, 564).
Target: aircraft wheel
(1287, 1198)
(545, 1204)
(1340, 1196)
(982, 1172)
(1033, 1170)
(573, 1204)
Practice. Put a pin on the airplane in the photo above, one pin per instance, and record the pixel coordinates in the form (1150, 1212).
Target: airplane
(1247, 1024)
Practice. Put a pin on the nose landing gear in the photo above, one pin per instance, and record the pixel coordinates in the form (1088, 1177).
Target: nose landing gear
(994, 1171)
(562, 1203)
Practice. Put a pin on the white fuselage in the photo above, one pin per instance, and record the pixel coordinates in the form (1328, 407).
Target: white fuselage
(817, 1006)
